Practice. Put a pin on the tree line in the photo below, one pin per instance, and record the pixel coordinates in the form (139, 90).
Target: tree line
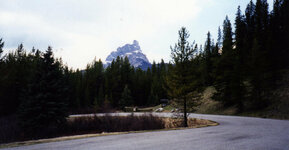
(252, 57)
(101, 87)
(94, 87)
(244, 65)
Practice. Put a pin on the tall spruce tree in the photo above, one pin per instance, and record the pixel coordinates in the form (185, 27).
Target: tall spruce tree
(249, 34)
(163, 74)
(240, 65)
(241, 50)
(126, 98)
(224, 67)
(285, 28)
(228, 82)
(44, 101)
(260, 62)
(280, 34)
(2, 81)
(208, 65)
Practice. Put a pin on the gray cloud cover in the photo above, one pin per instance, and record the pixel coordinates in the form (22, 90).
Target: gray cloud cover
(81, 30)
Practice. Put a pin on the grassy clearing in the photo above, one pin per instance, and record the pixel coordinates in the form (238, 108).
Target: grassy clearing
(209, 106)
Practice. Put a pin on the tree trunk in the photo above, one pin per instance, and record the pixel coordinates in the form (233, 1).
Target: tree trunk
(185, 113)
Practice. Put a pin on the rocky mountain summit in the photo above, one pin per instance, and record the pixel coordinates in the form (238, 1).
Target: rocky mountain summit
(134, 54)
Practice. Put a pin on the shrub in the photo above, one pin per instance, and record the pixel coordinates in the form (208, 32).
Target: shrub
(98, 124)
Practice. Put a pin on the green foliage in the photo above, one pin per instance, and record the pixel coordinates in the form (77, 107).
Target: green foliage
(17, 70)
(44, 100)
(229, 84)
(126, 99)
(180, 79)
(208, 64)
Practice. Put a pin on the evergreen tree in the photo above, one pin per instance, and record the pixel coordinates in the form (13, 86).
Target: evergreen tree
(285, 28)
(153, 98)
(1, 48)
(126, 99)
(249, 34)
(219, 40)
(208, 65)
(225, 65)
(44, 101)
(241, 50)
(180, 80)
(126, 73)
(260, 62)
(16, 71)
(2, 82)
(229, 87)
(114, 82)
(240, 64)
(163, 74)
(279, 51)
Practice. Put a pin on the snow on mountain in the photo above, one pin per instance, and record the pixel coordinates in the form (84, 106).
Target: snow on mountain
(134, 54)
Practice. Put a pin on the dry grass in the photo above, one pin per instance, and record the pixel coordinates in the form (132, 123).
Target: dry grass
(192, 123)
(83, 127)
(209, 106)
(98, 124)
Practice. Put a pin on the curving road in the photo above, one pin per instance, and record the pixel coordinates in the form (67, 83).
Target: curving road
(233, 133)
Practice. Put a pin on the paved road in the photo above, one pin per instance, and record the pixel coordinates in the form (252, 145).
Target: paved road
(233, 133)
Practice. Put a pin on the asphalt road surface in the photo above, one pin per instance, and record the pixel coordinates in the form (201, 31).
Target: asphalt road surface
(233, 133)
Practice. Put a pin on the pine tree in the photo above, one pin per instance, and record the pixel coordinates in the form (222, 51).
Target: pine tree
(208, 65)
(2, 82)
(228, 82)
(224, 66)
(240, 64)
(113, 82)
(44, 101)
(241, 50)
(126, 99)
(1, 48)
(126, 73)
(285, 26)
(261, 76)
(163, 74)
(180, 80)
(279, 26)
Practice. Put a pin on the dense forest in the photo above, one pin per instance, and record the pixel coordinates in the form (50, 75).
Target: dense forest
(243, 65)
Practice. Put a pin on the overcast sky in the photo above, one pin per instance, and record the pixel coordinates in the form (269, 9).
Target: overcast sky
(81, 30)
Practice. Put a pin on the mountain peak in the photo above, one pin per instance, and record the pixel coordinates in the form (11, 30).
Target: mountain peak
(135, 43)
(134, 54)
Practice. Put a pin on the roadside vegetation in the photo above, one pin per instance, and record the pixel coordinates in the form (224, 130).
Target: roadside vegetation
(10, 132)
